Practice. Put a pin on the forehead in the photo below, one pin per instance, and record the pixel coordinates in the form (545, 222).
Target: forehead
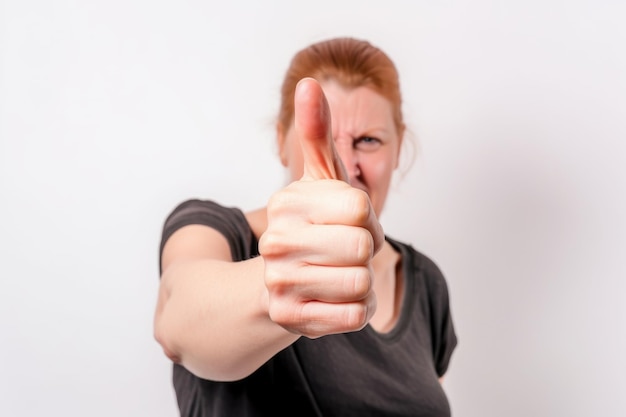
(359, 107)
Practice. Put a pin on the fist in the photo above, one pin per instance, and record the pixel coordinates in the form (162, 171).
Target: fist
(321, 235)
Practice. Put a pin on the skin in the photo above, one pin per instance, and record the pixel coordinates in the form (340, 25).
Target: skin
(321, 247)
(365, 139)
(367, 145)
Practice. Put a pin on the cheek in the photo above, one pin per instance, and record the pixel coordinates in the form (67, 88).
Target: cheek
(378, 169)
(377, 172)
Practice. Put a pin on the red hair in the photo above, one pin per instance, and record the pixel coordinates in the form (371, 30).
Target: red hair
(351, 62)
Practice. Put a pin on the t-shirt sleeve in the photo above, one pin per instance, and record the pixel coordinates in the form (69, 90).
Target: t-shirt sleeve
(444, 337)
(229, 221)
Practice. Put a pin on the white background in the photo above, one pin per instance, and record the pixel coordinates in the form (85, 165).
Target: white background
(112, 112)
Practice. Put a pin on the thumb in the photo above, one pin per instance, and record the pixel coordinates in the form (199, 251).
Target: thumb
(313, 130)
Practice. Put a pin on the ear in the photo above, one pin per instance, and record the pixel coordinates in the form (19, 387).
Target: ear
(281, 139)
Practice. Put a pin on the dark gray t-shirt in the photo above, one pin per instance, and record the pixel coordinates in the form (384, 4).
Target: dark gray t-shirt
(363, 373)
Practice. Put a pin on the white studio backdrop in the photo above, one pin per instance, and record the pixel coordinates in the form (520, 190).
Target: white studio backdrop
(113, 112)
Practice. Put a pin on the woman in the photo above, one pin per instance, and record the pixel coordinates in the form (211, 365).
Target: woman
(304, 307)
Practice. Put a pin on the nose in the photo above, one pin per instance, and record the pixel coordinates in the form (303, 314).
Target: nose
(349, 157)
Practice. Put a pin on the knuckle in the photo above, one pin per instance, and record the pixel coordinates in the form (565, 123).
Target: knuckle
(288, 315)
(364, 246)
(361, 283)
(281, 285)
(280, 311)
(359, 204)
(266, 243)
(356, 316)
(279, 202)
(277, 314)
(273, 280)
(271, 244)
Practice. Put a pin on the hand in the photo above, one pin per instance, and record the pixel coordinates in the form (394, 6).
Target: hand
(321, 235)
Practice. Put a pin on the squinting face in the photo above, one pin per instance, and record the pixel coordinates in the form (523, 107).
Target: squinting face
(365, 136)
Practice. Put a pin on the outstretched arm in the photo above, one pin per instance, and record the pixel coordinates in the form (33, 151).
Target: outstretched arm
(223, 319)
(212, 313)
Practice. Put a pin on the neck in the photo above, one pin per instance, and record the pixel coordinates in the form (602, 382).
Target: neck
(388, 288)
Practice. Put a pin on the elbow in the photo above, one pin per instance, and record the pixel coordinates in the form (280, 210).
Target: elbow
(160, 335)
(161, 331)
(215, 369)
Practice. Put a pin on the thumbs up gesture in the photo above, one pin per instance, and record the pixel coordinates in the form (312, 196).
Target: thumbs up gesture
(312, 125)
(321, 235)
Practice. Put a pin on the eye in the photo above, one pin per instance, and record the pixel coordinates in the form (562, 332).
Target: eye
(367, 143)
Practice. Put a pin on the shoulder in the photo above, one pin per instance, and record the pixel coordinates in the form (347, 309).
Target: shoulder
(230, 222)
(420, 263)
(206, 213)
(199, 210)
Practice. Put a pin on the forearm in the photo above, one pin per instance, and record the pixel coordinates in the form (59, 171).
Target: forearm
(212, 317)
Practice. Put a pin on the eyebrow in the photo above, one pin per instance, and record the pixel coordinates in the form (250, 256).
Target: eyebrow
(376, 130)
